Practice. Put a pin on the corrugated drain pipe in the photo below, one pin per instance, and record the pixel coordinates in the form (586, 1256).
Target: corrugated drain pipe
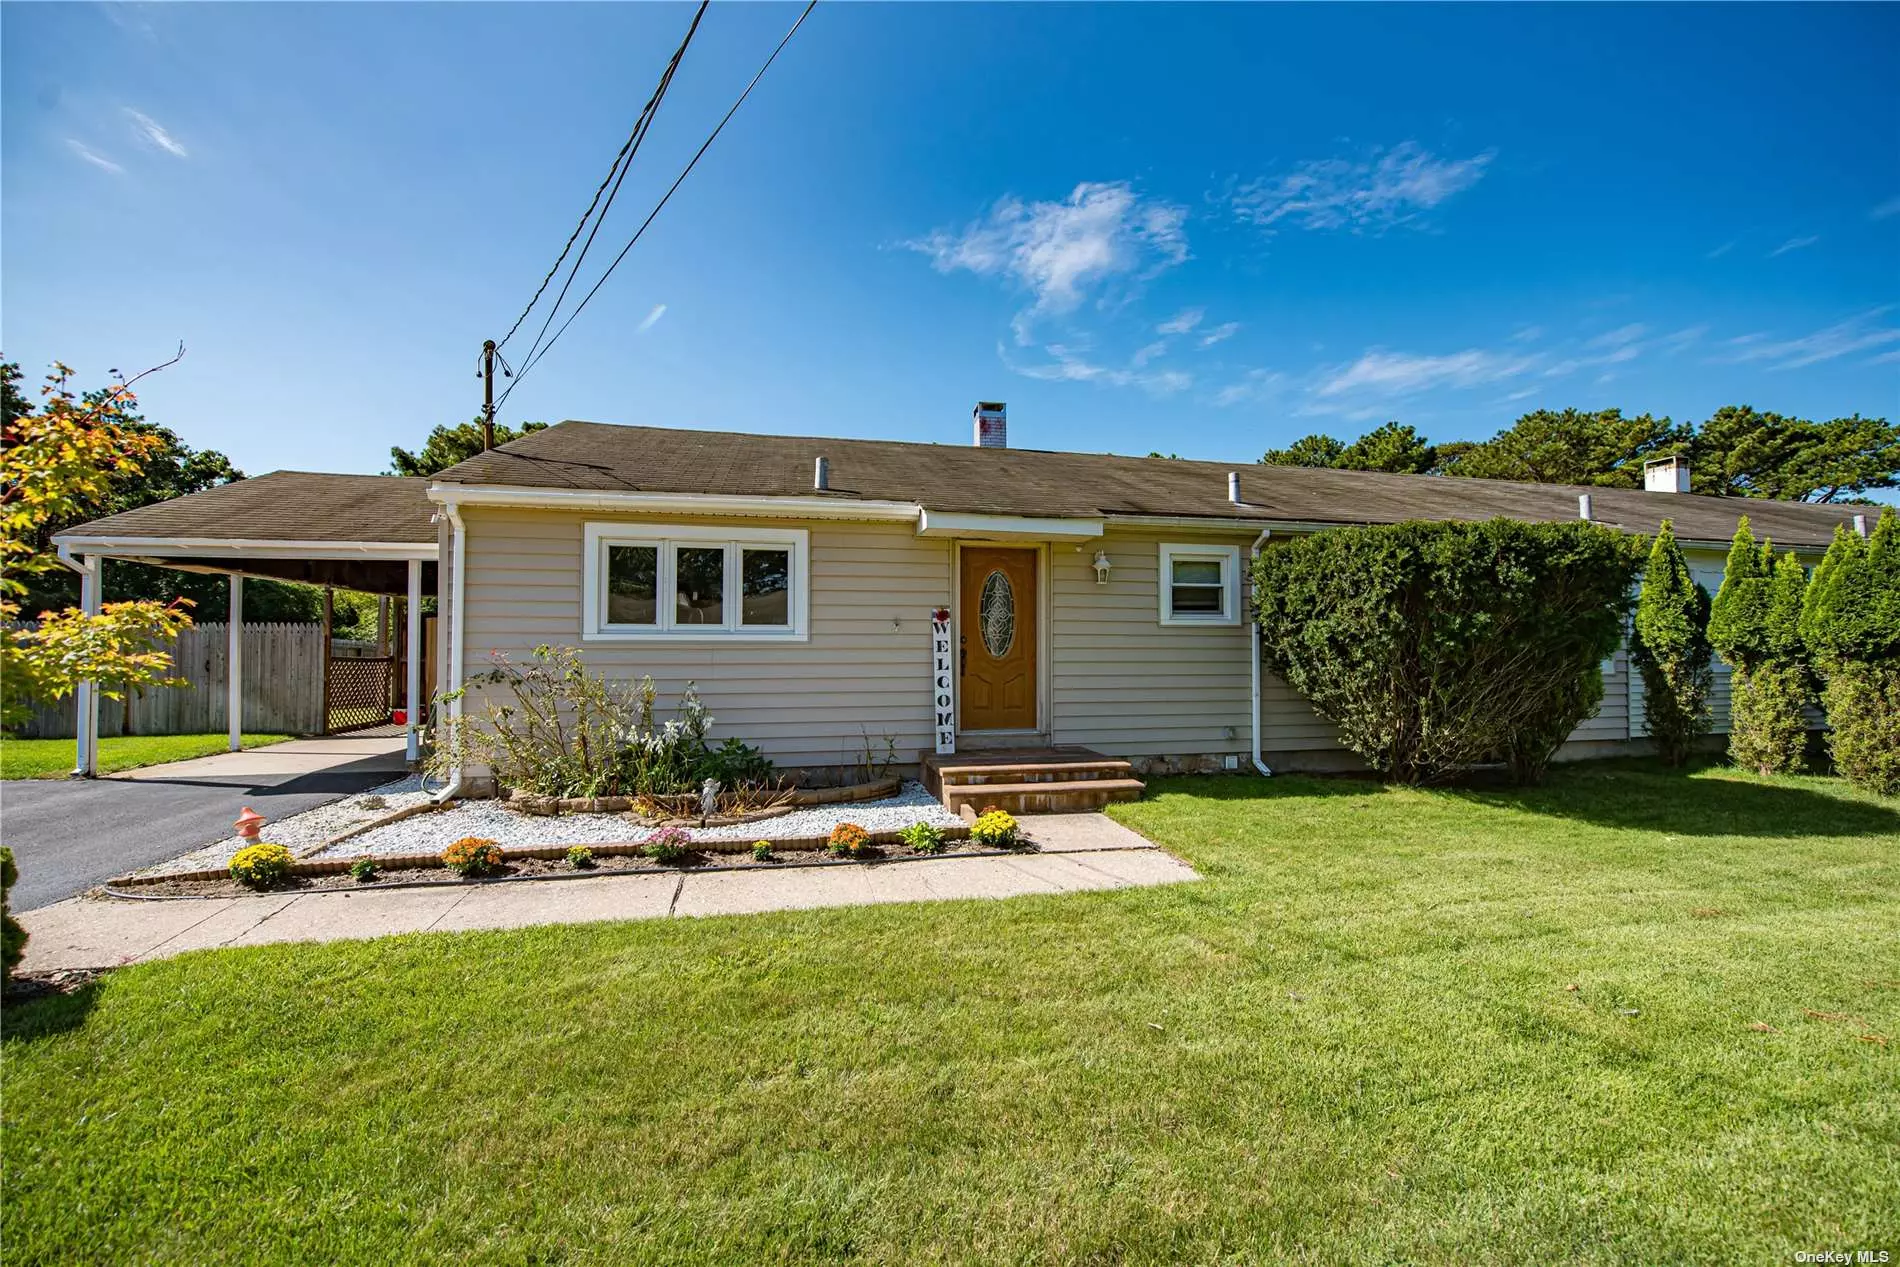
(1253, 641)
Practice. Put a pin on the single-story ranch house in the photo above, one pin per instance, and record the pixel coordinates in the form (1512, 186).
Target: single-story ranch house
(823, 593)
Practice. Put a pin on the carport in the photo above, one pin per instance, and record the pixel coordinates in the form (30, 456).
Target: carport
(375, 534)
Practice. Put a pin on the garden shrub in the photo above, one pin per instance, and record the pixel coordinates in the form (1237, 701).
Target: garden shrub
(734, 764)
(1437, 646)
(551, 728)
(668, 845)
(580, 857)
(12, 934)
(1671, 650)
(996, 829)
(472, 857)
(260, 866)
(1850, 621)
(1754, 623)
(848, 840)
(923, 837)
(363, 870)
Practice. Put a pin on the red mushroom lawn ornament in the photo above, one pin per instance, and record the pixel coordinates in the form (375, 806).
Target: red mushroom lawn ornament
(248, 824)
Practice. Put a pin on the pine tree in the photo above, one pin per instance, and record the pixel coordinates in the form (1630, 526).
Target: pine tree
(1851, 623)
(1671, 649)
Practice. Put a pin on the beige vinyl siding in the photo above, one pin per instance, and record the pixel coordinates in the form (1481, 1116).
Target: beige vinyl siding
(865, 668)
(1123, 683)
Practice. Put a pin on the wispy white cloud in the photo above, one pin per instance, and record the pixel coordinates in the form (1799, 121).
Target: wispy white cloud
(1682, 338)
(1071, 365)
(1220, 333)
(1527, 334)
(148, 128)
(1144, 355)
(1885, 358)
(1405, 374)
(1794, 244)
(1891, 207)
(1521, 395)
(1387, 188)
(97, 160)
(1723, 249)
(1182, 321)
(652, 319)
(1858, 333)
(1255, 385)
(1063, 251)
(1619, 337)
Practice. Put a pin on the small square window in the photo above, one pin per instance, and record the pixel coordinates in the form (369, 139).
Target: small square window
(1198, 585)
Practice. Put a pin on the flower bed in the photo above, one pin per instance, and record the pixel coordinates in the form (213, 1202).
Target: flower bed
(550, 862)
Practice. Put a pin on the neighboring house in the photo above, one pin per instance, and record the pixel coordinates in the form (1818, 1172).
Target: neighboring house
(824, 594)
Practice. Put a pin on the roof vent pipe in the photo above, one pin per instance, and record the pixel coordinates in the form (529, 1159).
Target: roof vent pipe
(1860, 525)
(821, 475)
(1233, 488)
(1583, 506)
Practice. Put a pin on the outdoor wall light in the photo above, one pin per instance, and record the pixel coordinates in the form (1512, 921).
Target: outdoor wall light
(1101, 566)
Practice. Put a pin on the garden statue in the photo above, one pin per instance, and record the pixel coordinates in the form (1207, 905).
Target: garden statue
(708, 798)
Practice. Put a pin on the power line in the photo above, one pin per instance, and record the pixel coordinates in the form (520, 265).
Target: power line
(530, 363)
(623, 161)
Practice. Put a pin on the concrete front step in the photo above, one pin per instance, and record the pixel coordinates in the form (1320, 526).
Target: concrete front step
(1034, 772)
(1070, 796)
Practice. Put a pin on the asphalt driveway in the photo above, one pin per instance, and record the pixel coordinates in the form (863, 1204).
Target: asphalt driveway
(70, 834)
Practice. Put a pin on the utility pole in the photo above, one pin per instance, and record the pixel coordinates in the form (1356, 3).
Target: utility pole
(488, 394)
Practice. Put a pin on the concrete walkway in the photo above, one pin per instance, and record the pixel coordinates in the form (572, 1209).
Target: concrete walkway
(1076, 852)
(70, 834)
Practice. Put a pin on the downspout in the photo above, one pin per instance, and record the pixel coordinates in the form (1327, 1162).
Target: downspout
(1253, 641)
(458, 612)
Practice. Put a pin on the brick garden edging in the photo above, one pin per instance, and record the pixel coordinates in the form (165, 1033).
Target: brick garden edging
(628, 848)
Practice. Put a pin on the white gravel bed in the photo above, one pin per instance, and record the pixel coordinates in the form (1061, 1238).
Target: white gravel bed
(306, 830)
(431, 833)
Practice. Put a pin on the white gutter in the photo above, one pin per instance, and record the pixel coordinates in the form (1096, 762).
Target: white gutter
(165, 547)
(938, 523)
(1253, 643)
(458, 641)
(672, 503)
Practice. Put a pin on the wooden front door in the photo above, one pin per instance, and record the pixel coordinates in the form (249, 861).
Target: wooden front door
(997, 639)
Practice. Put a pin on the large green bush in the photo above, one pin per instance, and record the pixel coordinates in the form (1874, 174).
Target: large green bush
(1755, 624)
(12, 935)
(1671, 650)
(1434, 647)
(1851, 622)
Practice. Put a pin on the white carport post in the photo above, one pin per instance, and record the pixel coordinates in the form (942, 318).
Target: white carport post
(86, 720)
(234, 665)
(412, 662)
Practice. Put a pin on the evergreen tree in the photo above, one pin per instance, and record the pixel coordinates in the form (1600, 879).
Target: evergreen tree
(1754, 625)
(1671, 648)
(1851, 622)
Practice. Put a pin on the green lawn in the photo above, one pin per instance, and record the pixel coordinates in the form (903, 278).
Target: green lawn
(53, 758)
(1357, 1040)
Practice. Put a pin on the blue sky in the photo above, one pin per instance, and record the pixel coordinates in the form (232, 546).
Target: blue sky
(1204, 230)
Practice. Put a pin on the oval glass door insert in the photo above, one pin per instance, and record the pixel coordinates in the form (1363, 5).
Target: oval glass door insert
(996, 612)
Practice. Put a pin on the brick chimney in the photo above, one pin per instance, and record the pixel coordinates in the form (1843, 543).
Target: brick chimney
(992, 425)
(1666, 475)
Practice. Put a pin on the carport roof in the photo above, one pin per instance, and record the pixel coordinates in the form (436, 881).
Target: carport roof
(284, 506)
(352, 531)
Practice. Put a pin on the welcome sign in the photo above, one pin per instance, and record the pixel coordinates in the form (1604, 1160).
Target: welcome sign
(943, 676)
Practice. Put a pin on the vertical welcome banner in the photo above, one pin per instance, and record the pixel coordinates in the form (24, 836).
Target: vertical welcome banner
(943, 676)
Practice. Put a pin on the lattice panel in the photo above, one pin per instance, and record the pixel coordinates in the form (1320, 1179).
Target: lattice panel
(359, 692)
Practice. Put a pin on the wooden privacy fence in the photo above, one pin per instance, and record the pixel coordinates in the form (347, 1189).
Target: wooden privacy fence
(283, 689)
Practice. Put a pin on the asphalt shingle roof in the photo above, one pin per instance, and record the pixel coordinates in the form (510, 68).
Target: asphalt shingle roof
(285, 506)
(957, 478)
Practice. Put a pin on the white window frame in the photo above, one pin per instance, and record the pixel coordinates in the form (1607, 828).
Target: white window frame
(597, 537)
(1229, 559)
